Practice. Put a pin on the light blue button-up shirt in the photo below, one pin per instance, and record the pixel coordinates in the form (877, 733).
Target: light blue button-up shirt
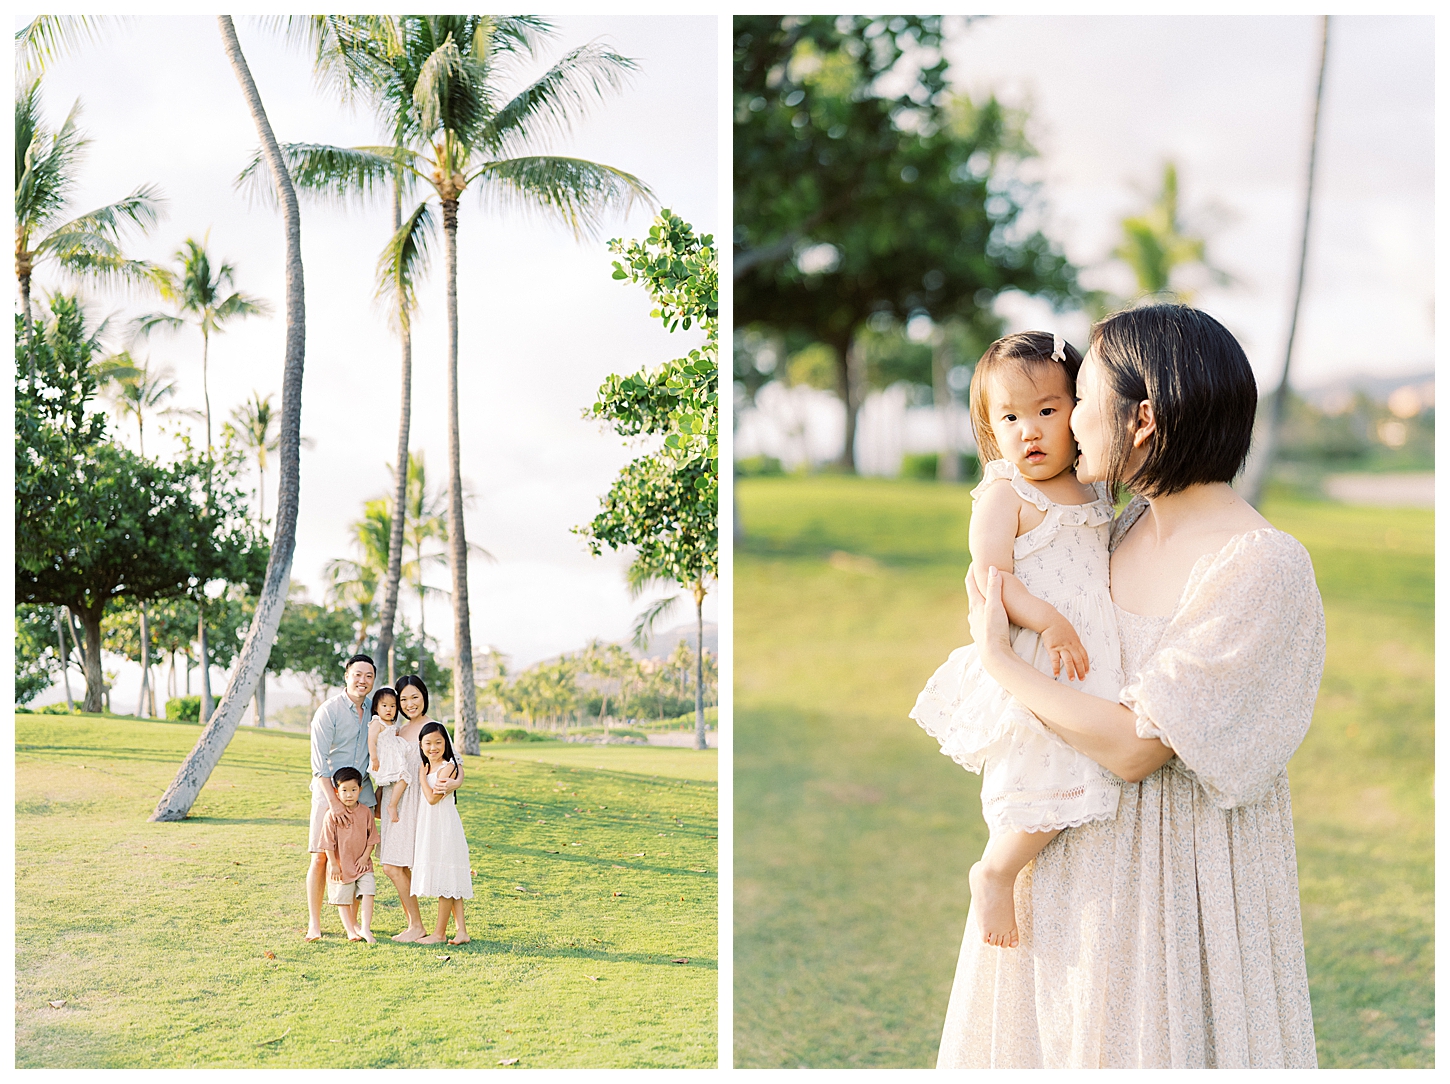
(340, 740)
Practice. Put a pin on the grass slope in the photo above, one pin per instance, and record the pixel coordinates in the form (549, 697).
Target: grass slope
(180, 944)
(854, 835)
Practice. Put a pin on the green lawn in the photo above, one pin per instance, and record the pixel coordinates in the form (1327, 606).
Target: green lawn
(176, 945)
(854, 835)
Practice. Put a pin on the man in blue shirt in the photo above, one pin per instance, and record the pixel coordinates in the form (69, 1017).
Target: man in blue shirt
(339, 740)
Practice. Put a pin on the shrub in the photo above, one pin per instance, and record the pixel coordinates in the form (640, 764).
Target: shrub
(518, 733)
(184, 709)
(55, 709)
(757, 466)
(921, 466)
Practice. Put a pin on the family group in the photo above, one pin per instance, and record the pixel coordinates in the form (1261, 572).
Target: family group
(384, 777)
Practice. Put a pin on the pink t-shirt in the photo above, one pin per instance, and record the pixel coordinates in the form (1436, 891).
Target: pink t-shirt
(348, 837)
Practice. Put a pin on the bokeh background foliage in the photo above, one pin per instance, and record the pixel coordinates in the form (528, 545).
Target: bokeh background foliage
(854, 835)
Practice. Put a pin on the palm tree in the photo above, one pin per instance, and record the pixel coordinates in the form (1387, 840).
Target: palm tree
(436, 79)
(200, 295)
(45, 173)
(1157, 243)
(256, 649)
(254, 424)
(423, 523)
(136, 389)
(355, 583)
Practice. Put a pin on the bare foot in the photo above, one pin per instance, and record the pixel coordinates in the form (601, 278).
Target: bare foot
(367, 936)
(461, 939)
(412, 933)
(313, 935)
(992, 900)
(432, 939)
(355, 937)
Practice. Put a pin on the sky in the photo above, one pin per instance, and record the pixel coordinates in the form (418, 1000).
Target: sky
(1229, 99)
(541, 320)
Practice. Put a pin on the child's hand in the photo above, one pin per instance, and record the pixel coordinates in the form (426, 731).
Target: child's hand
(1063, 646)
(394, 812)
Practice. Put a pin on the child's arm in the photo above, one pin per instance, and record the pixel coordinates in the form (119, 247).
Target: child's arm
(329, 847)
(374, 729)
(434, 797)
(991, 537)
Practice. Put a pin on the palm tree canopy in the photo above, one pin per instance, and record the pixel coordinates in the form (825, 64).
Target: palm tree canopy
(46, 164)
(255, 423)
(201, 291)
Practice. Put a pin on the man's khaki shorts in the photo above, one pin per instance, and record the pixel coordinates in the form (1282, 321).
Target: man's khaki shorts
(342, 893)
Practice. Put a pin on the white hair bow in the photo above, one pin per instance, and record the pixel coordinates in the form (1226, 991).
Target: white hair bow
(1057, 344)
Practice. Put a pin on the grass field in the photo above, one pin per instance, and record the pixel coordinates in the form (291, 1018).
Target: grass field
(854, 835)
(176, 945)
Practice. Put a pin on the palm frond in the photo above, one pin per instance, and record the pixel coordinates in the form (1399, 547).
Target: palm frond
(404, 262)
(337, 174)
(572, 191)
(241, 305)
(45, 162)
(434, 84)
(147, 324)
(112, 270)
(550, 105)
(47, 38)
(644, 624)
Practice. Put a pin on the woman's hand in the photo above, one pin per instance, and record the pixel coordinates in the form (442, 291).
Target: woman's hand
(987, 618)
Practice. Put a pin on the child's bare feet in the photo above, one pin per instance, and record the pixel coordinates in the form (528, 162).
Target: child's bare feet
(992, 900)
(432, 939)
(367, 935)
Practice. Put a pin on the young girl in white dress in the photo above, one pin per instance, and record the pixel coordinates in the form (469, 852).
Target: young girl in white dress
(390, 757)
(440, 851)
(1048, 534)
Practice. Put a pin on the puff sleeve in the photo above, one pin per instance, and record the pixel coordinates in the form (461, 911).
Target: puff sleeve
(1231, 687)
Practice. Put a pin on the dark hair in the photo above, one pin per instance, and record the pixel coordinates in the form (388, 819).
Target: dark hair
(346, 775)
(1200, 385)
(378, 694)
(416, 682)
(1026, 348)
(436, 728)
(360, 658)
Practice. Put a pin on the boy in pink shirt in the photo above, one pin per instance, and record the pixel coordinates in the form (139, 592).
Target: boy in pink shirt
(348, 838)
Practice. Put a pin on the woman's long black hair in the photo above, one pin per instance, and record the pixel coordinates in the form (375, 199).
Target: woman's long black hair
(416, 682)
(436, 728)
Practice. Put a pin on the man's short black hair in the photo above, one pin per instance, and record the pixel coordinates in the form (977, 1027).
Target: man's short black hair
(346, 775)
(360, 658)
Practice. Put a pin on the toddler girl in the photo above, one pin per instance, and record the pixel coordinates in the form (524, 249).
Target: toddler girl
(390, 754)
(440, 852)
(1048, 535)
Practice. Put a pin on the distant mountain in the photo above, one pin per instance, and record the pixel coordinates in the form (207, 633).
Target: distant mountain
(1336, 395)
(662, 643)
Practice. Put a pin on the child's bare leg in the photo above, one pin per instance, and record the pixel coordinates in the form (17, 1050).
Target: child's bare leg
(440, 931)
(994, 878)
(393, 800)
(344, 912)
(460, 931)
(365, 923)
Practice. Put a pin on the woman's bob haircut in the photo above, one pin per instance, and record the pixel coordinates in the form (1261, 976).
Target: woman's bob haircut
(1200, 385)
(414, 681)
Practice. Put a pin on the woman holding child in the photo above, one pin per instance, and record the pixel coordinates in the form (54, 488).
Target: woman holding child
(398, 759)
(1169, 934)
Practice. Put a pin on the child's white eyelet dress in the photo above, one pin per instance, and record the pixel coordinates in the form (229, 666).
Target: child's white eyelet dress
(1031, 779)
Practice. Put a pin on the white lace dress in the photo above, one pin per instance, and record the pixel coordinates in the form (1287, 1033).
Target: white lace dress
(397, 756)
(1170, 936)
(440, 850)
(1031, 779)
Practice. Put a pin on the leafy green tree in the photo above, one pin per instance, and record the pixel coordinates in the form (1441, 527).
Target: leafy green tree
(437, 81)
(664, 505)
(37, 651)
(313, 642)
(850, 202)
(89, 245)
(95, 522)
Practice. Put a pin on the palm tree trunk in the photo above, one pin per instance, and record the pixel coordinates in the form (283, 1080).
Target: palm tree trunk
(400, 481)
(64, 660)
(206, 701)
(205, 391)
(257, 648)
(848, 388)
(699, 666)
(1256, 474)
(145, 663)
(260, 701)
(465, 704)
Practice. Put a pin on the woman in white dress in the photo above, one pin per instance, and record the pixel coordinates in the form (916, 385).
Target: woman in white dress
(1169, 936)
(396, 850)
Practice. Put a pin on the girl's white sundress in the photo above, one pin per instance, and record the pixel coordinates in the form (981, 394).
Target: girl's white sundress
(1031, 779)
(397, 757)
(440, 850)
